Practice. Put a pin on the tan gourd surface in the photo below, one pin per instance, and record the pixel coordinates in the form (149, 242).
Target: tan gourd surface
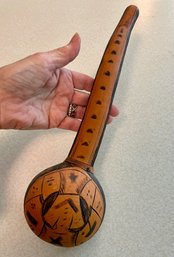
(65, 204)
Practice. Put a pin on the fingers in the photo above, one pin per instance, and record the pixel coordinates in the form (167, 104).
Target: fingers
(114, 111)
(63, 55)
(80, 111)
(70, 124)
(80, 98)
(82, 81)
(74, 123)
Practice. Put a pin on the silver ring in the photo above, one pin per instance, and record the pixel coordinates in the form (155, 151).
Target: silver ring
(72, 110)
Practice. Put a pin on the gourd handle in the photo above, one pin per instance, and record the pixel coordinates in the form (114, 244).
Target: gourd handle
(89, 136)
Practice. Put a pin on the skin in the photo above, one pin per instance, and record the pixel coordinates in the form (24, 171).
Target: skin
(35, 92)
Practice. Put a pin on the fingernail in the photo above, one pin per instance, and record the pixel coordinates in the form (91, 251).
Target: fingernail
(75, 37)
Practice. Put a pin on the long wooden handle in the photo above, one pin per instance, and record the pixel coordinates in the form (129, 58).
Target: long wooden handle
(89, 136)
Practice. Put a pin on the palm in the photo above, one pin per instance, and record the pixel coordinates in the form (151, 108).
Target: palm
(51, 100)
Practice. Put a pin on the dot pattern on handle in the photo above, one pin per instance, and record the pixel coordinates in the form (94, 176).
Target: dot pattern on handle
(113, 52)
(117, 41)
(103, 88)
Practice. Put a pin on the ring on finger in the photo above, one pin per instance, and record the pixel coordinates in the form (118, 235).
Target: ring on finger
(72, 110)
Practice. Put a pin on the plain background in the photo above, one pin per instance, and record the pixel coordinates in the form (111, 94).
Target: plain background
(135, 162)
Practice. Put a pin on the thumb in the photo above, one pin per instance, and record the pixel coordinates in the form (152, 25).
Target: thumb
(63, 55)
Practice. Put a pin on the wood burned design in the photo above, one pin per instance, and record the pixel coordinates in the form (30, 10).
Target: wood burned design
(65, 206)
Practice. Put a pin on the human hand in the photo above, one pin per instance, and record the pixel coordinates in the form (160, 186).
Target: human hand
(35, 92)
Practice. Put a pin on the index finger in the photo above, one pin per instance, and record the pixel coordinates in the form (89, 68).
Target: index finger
(82, 81)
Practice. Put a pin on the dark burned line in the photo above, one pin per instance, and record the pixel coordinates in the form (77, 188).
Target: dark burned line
(92, 229)
(94, 196)
(39, 195)
(84, 186)
(70, 202)
(31, 219)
